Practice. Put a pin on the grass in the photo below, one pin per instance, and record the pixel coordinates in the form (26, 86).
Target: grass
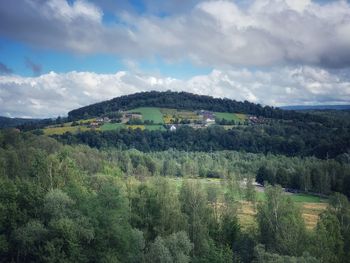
(134, 127)
(231, 116)
(61, 130)
(117, 126)
(297, 198)
(112, 126)
(150, 114)
(169, 115)
(305, 198)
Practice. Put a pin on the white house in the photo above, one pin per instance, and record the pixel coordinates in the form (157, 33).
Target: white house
(172, 128)
(210, 121)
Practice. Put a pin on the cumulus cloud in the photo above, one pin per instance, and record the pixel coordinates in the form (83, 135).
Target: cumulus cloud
(55, 94)
(218, 33)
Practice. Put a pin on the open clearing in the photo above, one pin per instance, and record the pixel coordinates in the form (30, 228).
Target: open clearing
(310, 213)
(112, 126)
(298, 198)
(231, 116)
(311, 206)
(150, 114)
(62, 130)
(118, 126)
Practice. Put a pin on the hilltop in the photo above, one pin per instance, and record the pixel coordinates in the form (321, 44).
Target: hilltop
(147, 121)
(180, 100)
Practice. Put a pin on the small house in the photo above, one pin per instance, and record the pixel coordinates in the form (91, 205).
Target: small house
(94, 124)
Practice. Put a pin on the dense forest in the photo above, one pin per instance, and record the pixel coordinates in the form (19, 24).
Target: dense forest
(289, 138)
(61, 203)
(6, 122)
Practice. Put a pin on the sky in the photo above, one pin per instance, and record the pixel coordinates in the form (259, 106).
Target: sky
(59, 55)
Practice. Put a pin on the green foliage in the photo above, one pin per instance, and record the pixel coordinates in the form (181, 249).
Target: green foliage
(250, 192)
(262, 256)
(281, 226)
(77, 204)
(112, 126)
(328, 246)
(175, 248)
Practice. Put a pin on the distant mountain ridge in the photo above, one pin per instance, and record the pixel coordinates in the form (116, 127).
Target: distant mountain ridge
(316, 107)
(6, 122)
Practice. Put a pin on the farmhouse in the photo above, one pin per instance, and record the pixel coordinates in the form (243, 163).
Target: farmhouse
(94, 124)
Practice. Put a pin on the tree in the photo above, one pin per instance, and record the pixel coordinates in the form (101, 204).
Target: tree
(265, 174)
(193, 205)
(340, 207)
(328, 243)
(30, 240)
(159, 252)
(281, 225)
(250, 193)
(174, 248)
(262, 256)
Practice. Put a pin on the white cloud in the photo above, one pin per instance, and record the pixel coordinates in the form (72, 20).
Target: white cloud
(55, 94)
(216, 33)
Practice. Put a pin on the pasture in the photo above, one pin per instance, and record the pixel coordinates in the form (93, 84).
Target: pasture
(150, 114)
(238, 118)
(112, 126)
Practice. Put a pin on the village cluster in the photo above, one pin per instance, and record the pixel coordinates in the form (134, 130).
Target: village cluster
(197, 119)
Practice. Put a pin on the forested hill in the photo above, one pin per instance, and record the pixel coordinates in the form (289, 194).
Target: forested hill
(183, 100)
(6, 122)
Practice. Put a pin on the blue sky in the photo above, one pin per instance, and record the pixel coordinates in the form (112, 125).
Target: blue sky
(14, 54)
(58, 55)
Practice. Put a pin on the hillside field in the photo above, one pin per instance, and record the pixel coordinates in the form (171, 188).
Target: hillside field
(150, 114)
(231, 116)
(61, 130)
(159, 117)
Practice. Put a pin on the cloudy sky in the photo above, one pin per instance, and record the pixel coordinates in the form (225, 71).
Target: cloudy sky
(58, 55)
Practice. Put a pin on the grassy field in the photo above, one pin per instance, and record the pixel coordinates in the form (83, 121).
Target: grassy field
(117, 126)
(231, 116)
(61, 130)
(112, 126)
(150, 114)
(310, 212)
(169, 115)
(134, 127)
(298, 198)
